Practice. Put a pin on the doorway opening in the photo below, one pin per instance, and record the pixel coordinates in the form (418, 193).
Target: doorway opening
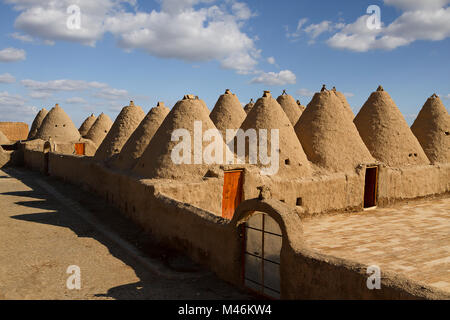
(370, 187)
(232, 192)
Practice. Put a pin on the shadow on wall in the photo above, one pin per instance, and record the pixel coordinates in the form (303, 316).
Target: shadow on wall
(148, 287)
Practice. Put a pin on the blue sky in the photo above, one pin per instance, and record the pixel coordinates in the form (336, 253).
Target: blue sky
(150, 51)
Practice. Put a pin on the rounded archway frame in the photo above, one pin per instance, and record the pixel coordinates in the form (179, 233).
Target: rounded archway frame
(286, 217)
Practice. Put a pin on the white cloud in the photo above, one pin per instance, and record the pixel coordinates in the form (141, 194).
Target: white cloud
(7, 78)
(57, 85)
(40, 95)
(304, 92)
(447, 97)
(111, 94)
(12, 55)
(75, 100)
(271, 60)
(348, 94)
(315, 30)
(179, 30)
(420, 21)
(275, 79)
(21, 37)
(15, 108)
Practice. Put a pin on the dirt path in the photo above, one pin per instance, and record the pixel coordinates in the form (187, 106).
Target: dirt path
(42, 233)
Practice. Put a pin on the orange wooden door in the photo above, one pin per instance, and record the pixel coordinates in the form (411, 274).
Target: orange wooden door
(232, 192)
(79, 149)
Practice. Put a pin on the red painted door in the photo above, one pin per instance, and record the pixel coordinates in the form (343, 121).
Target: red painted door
(232, 192)
(79, 149)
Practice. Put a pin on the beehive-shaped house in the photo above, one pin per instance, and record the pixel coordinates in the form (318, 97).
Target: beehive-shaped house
(432, 129)
(37, 122)
(302, 107)
(386, 134)
(329, 137)
(249, 106)
(157, 162)
(87, 124)
(126, 122)
(290, 107)
(345, 104)
(139, 140)
(99, 129)
(268, 114)
(227, 113)
(58, 126)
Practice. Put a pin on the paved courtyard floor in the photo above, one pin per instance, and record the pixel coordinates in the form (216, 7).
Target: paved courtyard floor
(412, 239)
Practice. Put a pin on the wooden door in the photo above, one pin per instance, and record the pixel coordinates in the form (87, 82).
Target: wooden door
(232, 192)
(79, 149)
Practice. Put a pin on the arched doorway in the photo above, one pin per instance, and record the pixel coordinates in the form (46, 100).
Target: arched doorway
(261, 252)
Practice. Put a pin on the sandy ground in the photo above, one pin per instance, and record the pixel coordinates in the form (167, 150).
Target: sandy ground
(41, 236)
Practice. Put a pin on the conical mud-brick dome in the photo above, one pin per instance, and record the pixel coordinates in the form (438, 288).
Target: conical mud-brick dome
(139, 140)
(268, 114)
(290, 107)
(249, 106)
(328, 135)
(126, 122)
(87, 124)
(37, 122)
(227, 113)
(99, 129)
(58, 126)
(157, 162)
(432, 129)
(302, 107)
(385, 132)
(3, 139)
(345, 103)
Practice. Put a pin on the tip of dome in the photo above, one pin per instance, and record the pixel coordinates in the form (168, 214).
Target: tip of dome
(380, 88)
(56, 105)
(189, 97)
(131, 103)
(160, 104)
(251, 100)
(324, 88)
(298, 102)
(228, 91)
(284, 92)
(334, 89)
(267, 94)
(434, 96)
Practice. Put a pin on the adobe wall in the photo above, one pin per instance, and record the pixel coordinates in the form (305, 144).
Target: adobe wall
(34, 160)
(217, 243)
(14, 131)
(396, 184)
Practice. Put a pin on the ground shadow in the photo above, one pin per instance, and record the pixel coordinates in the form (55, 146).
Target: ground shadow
(199, 282)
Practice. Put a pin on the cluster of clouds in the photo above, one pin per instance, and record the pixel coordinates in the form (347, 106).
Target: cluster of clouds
(419, 20)
(189, 30)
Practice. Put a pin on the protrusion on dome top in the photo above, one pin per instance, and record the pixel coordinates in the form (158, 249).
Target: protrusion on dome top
(267, 94)
(251, 100)
(227, 91)
(334, 89)
(298, 102)
(57, 105)
(197, 98)
(160, 104)
(284, 92)
(434, 95)
(131, 103)
(324, 87)
(188, 97)
(380, 88)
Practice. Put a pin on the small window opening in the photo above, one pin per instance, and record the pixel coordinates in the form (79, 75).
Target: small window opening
(299, 202)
